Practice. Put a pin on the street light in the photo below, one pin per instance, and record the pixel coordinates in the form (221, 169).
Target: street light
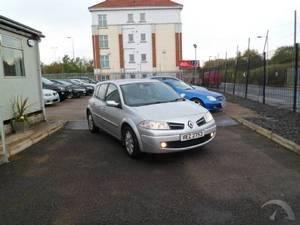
(195, 63)
(265, 64)
(73, 50)
(195, 46)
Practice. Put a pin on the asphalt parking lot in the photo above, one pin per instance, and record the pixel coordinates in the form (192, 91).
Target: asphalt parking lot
(75, 177)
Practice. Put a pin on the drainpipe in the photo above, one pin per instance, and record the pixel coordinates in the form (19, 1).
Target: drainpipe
(5, 153)
(40, 82)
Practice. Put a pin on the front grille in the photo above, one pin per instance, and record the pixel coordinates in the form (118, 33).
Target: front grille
(184, 144)
(201, 121)
(176, 126)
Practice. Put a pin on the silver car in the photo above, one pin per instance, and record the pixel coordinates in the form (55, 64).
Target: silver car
(149, 116)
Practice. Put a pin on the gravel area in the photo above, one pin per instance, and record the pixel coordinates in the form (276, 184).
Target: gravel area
(281, 121)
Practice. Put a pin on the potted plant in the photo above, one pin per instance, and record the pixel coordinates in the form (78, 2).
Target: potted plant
(20, 107)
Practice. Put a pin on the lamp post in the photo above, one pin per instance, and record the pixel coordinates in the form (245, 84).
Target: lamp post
(73, 50)
(248, 68)
(265, 65)
(195, 63)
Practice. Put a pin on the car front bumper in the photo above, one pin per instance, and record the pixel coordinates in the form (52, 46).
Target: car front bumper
(51, 100)
(152, 143)
(218, 105)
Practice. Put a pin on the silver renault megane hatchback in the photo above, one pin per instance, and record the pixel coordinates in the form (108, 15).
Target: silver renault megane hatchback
(149, 116)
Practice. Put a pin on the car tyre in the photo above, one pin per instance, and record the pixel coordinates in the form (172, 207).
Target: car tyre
(198, 101)
(130, 142)
(91, 124)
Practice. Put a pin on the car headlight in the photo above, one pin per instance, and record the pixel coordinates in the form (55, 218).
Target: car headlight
(208, 117)
(211, 98)
(62, 89)
(154, 125)
(47, 95)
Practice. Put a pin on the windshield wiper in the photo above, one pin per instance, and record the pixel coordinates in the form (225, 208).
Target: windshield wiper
(155, 103)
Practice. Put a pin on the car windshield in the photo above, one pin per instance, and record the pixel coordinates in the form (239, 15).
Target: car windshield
(140, 94)
(179, 84)
(72, 82)
(84, 81)
(63, 82)
(46, 81)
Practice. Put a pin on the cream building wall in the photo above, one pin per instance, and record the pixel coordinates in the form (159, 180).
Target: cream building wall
(166, 47)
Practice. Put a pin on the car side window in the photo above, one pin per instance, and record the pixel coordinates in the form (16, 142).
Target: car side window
(101, 91)
(112, 94)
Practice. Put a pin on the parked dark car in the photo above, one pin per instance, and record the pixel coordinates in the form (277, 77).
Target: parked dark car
(89, 87)
(61, 90)
(87, 80)
(76, 91)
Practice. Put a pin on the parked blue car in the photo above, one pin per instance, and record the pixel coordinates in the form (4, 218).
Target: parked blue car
(208, 99)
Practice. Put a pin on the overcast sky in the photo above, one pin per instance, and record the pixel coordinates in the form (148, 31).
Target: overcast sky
(216, 26)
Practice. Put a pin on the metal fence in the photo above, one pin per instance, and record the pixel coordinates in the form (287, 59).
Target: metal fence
(257, 78)
(68, 75)
(113, 76)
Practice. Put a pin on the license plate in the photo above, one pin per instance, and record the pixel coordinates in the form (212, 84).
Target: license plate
(191, 136)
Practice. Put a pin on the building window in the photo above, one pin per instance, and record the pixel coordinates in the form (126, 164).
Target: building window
(102, 20)
(143, 58)
(142, 17)
(130, 18)
(143, 37)
(130, 38)
(12, 56)
(103, 41)
(104, 60)
(131, 58)
(132, 76)
(144, 75)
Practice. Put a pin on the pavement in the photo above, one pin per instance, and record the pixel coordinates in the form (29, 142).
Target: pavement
(74, 177)
(20, 141)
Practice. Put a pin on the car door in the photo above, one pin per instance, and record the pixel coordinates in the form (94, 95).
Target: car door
(113, 115)
(97, 106)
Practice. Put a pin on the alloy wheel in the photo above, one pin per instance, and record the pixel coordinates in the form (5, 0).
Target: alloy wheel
(129, 142)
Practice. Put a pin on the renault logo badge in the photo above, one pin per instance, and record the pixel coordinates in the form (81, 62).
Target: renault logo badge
(190, 124)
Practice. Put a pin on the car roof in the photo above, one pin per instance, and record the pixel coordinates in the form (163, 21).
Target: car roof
(164, 77)
(128, 81)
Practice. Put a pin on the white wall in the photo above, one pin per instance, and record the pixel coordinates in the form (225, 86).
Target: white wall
(27, 86)
(137, 48)
(153, 16)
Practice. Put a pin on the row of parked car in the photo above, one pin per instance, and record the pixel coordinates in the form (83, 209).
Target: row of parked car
(57, 90)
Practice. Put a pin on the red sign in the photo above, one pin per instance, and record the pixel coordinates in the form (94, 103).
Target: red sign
(189, 64)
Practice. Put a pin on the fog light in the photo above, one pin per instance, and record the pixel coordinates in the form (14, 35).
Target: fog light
(163, 144)
(212, 134)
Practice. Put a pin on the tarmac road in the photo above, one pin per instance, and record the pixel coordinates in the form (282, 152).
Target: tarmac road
(75, 177)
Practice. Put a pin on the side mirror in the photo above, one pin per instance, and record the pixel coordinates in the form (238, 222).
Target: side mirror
(113, 104)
